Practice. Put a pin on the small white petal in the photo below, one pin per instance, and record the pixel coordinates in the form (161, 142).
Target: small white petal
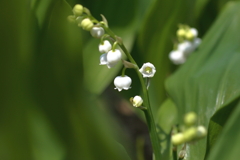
(113, 57)
(122, 82)
(103, 59)
(177, 57)
(105, 47)
(97, 32)
(148, 70)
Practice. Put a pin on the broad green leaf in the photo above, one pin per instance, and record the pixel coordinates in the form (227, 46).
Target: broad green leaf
(228, 142)
(209, 79)
(166, 119)
(41, 9)
(217, 122)
(15, 48)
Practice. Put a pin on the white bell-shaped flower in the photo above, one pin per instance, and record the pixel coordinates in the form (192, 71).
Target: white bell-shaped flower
(122, 82)
(137, 101)
(177, 57)
(103, 59)
(186, 47)
(97, 32)
(148, 70)
(194, 31)
(105, 47)
(113, 57)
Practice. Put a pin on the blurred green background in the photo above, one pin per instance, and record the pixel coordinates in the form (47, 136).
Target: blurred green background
(57, 103)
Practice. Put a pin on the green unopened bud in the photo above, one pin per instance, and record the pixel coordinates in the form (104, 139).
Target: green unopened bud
(181, 33)
(86, 24)
(190, 134)
(77, 10)
(178, 139)
(190, 118)
(137, 101)
(71, 18)
(201, 132)
(189, 35)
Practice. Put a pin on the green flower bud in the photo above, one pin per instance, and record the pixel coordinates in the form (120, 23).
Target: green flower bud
(86, 24)
(181, 33)
(190, 134)
(190, 118)
(189, 35)
(201, 132)
(178, 139)
(77, 10)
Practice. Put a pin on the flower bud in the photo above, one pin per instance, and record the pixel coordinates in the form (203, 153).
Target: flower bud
(191, 34)
(201, 132)
(148, 70)
(190, 118)
(78, 10)
(105, 47)
(178, 139)
(97, 32)
(87, 24)
(181, 33)
(194, 31)
(113, 57)
(137, 101)
(190, 134)
(177, 57)
(122, 82)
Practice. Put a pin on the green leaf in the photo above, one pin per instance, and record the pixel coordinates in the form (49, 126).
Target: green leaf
(217, 122)
(209, 78)
(166, 119)
(228, 142)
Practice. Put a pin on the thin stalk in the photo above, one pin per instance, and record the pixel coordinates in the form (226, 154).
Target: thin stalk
(148, 112)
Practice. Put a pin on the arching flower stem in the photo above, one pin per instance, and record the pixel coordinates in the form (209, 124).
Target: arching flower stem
(148, 112)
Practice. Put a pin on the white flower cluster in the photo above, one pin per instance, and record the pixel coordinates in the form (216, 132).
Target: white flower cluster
(188, 42)
(110, 54)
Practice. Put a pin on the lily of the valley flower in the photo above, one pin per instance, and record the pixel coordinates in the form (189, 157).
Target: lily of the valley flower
(137, 101)
(186, 47)
(105, 47)
(122, 82)
(177, 57)
(111, 58)
(97, 32)
(103, 59)
(148, 70)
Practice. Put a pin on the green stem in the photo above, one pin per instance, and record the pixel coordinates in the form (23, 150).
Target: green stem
(148, 112)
